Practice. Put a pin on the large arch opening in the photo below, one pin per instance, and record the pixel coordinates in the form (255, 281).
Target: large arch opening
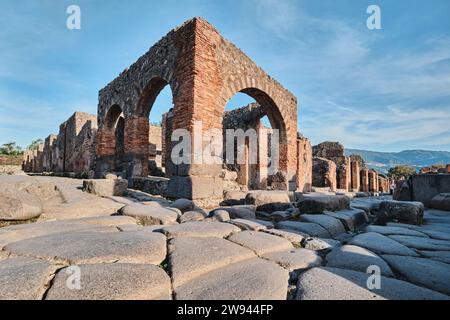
(257, 167)
(156, 105)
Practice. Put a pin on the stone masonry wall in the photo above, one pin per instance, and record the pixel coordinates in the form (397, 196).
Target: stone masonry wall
(324, 173)
(72, 150)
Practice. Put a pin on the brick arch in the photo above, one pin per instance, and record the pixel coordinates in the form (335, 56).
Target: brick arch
(269, 106)
(113, 114)
(107, 139)
(148, 95)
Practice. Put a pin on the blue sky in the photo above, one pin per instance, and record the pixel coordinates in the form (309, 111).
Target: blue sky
(384, 90)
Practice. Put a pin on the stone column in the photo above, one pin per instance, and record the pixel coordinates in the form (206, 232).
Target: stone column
(364, 180)
(304, 165)
(356, 180)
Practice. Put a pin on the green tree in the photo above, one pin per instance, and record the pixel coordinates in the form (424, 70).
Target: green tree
(34, 144)
(401, 171)
(10, 149)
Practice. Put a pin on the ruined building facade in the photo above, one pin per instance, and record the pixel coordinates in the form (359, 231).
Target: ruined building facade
(204, 71)
(344, 173)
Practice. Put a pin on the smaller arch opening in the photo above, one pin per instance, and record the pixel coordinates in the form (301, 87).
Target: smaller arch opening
(115, 134)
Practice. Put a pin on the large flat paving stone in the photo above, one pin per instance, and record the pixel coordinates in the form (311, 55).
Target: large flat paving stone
(260, 242)
(191, 257)
(439, 235)
(27, 231)
(86, 247)
(24, 278)
(352, 219)
(340, 284)
(423, 243)
(311, 229)
(295, 260)
(425, 228)
(387, 231)
(113, 281)
(332, 225)
(253, 225)
(318, 203)
(292, 237)
(150, 215)
(427, 273)
(17, 204)
(199, 229)
(253, 279)
(403, 211)
(443, 256)
(356, 258)
(381, 244)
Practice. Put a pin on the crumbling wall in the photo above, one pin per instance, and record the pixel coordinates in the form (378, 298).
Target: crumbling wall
(324, 173)
(72, 150)
(334, 151)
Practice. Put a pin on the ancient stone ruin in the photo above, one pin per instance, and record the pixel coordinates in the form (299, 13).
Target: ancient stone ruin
(335, 171)
(204, 71)
(311, 232)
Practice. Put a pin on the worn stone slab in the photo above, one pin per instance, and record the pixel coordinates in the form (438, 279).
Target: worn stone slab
(423, 243)
(183, 205)
(441, 202)
(387, 231)
(311, 229)
(16, 204)
(245, 224)
(87, 247)
(263, 197)
(352, 219)
(402, 211)
(199, 229)
(443, 256)
(425, 228)
(253, 279)
(318, 203)
(340, 284)
(439, 235)
(381, 244)
(295, 260)
(428, 273)
(23, 278)
(260, 242)
(239, 211)
(219, 215)
(113, 281)
(192, 216)
(332, 225)
(27, 231)
(106, 187)
(191, 257)
(292, 237)
(356, 258)
(319, 244)
(150, 215)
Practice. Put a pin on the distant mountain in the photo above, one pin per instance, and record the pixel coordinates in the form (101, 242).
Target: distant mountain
(382, 161)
